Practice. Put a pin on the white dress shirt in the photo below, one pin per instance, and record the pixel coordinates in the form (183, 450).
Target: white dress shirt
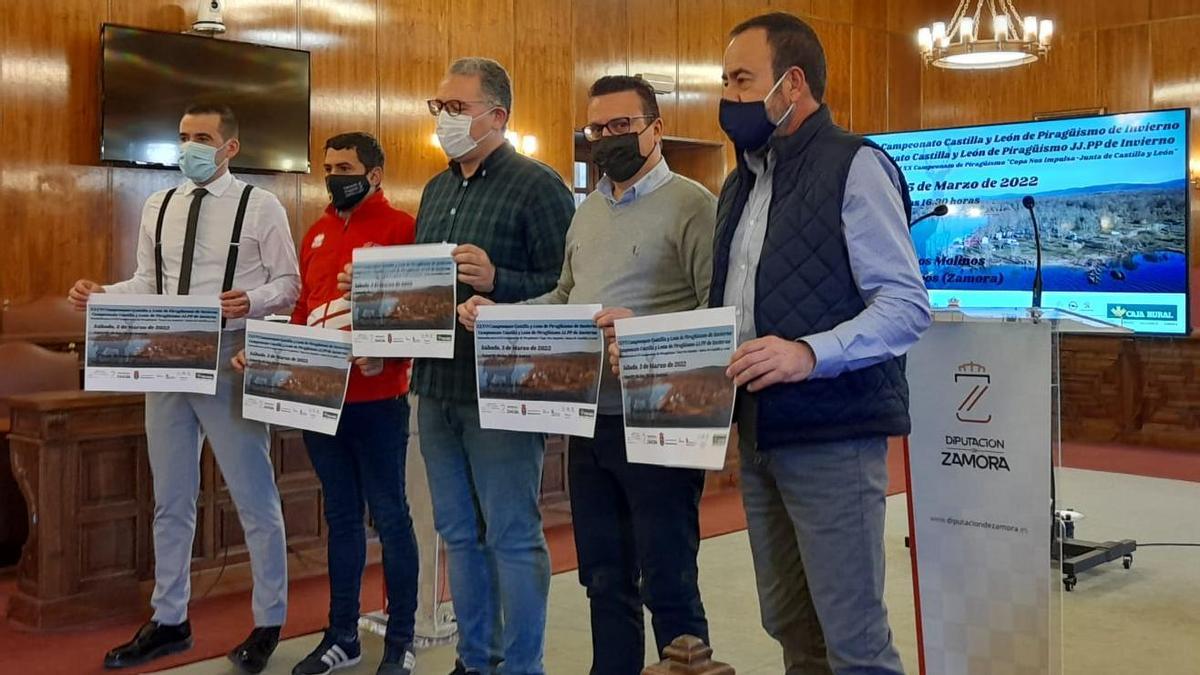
(266, 268)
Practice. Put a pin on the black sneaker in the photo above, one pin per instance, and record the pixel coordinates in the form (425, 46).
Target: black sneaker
(152, 641)
(397, 660)
(460, 669)
(252, 655)
(332, 654)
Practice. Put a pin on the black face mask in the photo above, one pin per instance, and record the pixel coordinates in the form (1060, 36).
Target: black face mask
(345, 192)
(619, 156)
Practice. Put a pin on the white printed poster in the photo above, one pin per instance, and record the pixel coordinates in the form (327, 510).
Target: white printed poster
(296, 376)
(152, 343)
(979, 461)
(678, 402)
(404, 301)
(538, 368)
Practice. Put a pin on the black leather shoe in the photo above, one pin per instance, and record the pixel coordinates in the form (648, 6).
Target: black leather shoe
(153, 641)
(253, 654)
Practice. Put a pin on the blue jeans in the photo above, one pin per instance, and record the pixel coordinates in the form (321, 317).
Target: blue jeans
(815, 514)
(363, 465)
(484, 485)
(637, 533)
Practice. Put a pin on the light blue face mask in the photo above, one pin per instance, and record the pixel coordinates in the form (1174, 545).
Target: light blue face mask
(197, 161)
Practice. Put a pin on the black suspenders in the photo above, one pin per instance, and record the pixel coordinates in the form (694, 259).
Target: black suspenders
(158, 265)
(234, 241)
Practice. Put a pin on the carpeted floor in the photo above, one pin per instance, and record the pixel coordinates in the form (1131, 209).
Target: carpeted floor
(221, 622)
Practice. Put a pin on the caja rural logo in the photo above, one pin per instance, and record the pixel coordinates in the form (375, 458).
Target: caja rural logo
(977, 452)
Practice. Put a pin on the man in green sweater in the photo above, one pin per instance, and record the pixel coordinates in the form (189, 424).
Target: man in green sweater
(641, 243)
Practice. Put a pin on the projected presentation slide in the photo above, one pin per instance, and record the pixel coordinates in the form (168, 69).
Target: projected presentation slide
(1111, 195)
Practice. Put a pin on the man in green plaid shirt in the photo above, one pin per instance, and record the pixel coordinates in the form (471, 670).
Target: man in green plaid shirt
(509, 214)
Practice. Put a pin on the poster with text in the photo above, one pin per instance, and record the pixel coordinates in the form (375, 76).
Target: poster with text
(404, 301)
(678, 403)
(538, 368)
(979, 459)
(296, 376)
(1110, 193)
(152, 343)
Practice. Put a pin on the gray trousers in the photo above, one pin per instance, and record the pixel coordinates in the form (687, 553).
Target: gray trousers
(176, 425)
(815, 515)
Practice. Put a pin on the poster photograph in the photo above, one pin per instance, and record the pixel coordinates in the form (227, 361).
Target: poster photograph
(152, 343)
(678, 402)
(295, 376)
(404, 301)
(538, 368)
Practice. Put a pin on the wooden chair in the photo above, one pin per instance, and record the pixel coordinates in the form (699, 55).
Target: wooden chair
(24, 369)
(49, 321)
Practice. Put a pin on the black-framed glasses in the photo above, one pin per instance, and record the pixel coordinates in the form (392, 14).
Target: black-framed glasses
(453, 107)
(616, 126)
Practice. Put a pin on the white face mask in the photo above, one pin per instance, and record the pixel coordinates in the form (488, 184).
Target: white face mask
(454, 133)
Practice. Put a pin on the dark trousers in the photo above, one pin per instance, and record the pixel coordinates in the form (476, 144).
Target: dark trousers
(637, 533)
(363, 465)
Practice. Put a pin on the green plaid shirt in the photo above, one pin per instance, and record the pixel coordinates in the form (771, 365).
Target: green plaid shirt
(518, 210)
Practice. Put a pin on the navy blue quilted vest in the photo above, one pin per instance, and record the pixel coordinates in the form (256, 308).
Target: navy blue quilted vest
(804, 286)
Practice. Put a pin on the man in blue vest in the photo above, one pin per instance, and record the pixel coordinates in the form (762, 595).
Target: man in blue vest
(813, 250)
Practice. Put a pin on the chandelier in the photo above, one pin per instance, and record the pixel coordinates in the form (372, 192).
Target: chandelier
(957, 45)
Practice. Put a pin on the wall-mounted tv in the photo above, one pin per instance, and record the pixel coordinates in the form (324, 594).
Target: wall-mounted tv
(1112, 198)
(150, 77)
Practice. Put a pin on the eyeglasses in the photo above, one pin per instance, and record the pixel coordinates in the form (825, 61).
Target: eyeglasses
(616, 126)
(453, 107)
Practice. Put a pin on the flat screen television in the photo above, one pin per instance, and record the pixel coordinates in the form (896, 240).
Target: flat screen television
(1111, 194)
(150, 77)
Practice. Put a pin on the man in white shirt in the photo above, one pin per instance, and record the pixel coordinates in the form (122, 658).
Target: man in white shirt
(186, 241)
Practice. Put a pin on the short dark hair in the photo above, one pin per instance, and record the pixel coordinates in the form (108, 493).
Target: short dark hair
(493, 78)
(364, 144)
(615, 84)
(793, 44)
(228, 125)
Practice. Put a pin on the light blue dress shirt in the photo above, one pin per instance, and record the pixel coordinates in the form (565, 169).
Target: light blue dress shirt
(882, 261)
(654, 179)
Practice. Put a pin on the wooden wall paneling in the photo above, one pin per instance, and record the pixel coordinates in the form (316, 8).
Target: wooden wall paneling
(871, 14)
(702, 40)
(1066, 79)
(869, 68)
(834, 10)
(903, 83)
(49, 184)
(1111, 13)
(542, 80)
(1175, 73)
(482, 28)
(129, 190)
(654, 43)
(415, 53)
(955, 98)
(837, 38)
(341, 35)
(904, 18)
(1123, 72)
(737, 11)
(1069, 16)
(1170, 9)
(599, 32)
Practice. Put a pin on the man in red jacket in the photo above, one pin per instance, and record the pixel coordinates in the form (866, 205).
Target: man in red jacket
(365, 460)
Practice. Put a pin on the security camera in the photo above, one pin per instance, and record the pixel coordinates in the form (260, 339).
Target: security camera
(208, 17)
